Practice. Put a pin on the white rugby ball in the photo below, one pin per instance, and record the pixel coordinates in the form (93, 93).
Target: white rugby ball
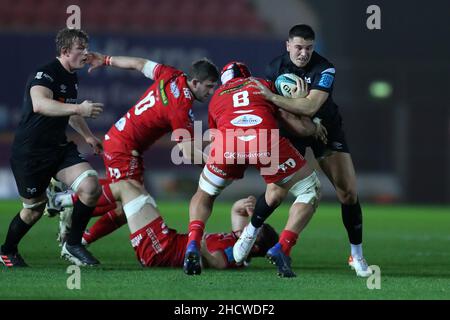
(285, 83)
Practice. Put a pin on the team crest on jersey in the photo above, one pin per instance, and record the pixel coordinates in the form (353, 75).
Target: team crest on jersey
(246, 120)
(63, 88)
(174, 89)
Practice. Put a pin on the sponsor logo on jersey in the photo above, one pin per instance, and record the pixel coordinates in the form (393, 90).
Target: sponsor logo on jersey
(246, 120)
(217, 170)
(187, 93)
(155, 242)
(41, 74)
(337, 145)
(164, 99)
(288, 163)
(31, 190)
(246, 155)
(238, 87)
(120, 124)
(174, 89)
(136, 240)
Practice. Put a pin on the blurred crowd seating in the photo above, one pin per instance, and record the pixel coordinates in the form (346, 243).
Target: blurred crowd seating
(204, 17)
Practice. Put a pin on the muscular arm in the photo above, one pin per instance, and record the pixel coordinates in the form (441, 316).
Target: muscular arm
(241, 211)
(301, 126)
(79, 125)
(43, 103)
(307, 106)
(132, 63)
(213, 260)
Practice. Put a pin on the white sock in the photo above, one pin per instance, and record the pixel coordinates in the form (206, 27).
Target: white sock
(356, 250)
(64, 199)
(251, 230)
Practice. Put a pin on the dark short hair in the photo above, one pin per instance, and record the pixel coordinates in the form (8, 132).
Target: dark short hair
(303, 31)
(66, 38)
(202, 70)
(265, 240)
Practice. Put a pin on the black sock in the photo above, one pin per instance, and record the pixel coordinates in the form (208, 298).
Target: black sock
(352, 218)
(262, 211)
(17, 230)
(80, 219)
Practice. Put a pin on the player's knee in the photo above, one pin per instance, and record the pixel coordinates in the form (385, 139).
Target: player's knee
(89, 191)
(135, 206)
(307, 190)
(275, 197)
(347, 196)
(128, 188)
(32, 215)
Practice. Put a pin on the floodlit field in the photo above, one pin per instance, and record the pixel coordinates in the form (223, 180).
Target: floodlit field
(409, 244)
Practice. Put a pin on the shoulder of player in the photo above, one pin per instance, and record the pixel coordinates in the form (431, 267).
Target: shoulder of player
(321, 64)
(47, 72)
(277, 60)
(277, 63)
(176, 87)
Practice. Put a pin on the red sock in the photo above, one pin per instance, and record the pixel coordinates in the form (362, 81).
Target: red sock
(103, 226)
(287, 241)
(106, 202)
(196, 229)
(107, 197)
(100, 211)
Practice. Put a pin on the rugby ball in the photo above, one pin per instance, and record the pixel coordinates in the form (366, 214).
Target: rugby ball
(285, 83)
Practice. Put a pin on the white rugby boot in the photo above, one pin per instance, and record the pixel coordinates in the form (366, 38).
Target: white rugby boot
(359, 264)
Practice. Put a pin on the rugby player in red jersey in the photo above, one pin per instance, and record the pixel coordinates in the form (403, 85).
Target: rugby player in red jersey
(164, 107)
(246, 134)
(156, 245)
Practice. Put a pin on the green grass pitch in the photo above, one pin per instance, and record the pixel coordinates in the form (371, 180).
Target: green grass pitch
(409, 244)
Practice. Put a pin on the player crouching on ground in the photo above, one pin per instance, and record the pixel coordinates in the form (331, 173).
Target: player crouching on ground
(156, 245)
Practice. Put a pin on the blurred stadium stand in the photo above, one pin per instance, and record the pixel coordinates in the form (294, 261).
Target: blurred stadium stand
(201, 17)
(400, 143)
